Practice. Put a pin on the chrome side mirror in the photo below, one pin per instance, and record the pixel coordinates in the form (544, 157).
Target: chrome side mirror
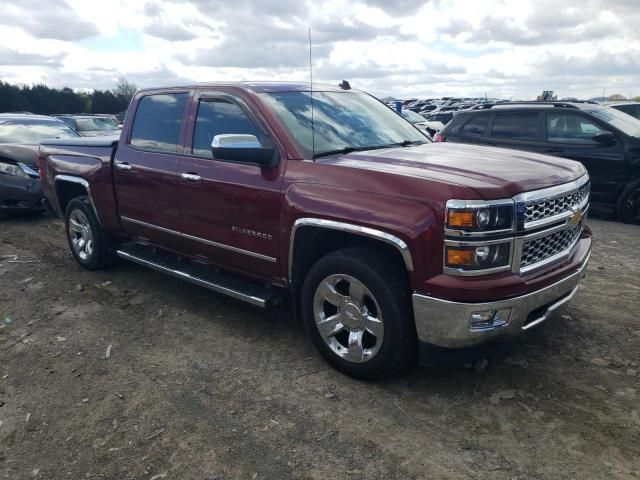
(235, 140)
(242, 148)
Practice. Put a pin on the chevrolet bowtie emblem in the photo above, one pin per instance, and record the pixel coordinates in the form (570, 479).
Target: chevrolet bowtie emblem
(576, 216)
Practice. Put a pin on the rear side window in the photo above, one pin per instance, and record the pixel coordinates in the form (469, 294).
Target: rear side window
(218, 117)
(157, 123)
(476, 126)
(571, 128)
(515, 126)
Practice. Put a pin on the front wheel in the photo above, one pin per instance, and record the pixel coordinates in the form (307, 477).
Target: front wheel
(629, 204)
(89, 243)
(357, 310)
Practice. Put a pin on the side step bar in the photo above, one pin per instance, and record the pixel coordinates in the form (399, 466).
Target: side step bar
(247, 291)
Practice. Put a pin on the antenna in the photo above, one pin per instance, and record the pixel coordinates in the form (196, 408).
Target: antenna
(313, 130)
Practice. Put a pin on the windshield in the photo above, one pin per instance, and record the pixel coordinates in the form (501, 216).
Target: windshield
(95, 123)
(623, 122)
(341, 120)
(412, 116)
(33, 131)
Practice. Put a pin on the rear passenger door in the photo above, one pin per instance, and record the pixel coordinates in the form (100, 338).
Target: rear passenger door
(517, 130)
(570, 135)
(146, 167)
(230, 209)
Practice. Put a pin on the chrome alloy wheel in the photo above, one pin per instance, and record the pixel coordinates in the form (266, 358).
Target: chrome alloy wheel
(348, 318)
(80, 234)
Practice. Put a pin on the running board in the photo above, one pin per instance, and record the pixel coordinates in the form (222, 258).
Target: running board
(254, 293)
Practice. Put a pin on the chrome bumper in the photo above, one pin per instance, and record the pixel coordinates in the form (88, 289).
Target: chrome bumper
(448, 324)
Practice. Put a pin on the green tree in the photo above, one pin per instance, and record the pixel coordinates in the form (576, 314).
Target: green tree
(125, 89)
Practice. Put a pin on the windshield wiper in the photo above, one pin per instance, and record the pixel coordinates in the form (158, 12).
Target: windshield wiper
(345, 150)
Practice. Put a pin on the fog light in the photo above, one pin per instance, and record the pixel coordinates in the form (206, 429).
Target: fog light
(489, 319)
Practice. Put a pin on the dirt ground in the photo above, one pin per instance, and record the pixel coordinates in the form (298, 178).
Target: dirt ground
(198, 386)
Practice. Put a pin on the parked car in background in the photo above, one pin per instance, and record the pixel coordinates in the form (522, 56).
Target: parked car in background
(388, 245)
(91, 125)
(20, 136)
(605, 140)
(422, 124)
(630, 108)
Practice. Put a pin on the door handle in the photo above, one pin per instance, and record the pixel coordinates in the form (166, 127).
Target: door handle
(123, 166)
(553, 150)
(191, 177)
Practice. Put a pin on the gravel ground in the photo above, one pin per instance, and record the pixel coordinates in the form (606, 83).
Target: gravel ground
(129, 374)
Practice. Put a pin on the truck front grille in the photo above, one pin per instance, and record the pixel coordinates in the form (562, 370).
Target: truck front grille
(542, 248)
(549, 207)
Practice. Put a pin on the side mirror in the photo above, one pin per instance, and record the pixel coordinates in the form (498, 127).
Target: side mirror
(243, 148)
(604, 138)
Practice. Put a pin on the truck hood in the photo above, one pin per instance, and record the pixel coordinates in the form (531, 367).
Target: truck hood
(492, 172)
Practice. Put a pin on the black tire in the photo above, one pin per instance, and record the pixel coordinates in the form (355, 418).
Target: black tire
(101, 253)
(385, 281)
(629, 204)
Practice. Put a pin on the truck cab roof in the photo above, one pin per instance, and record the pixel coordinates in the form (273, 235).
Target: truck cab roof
(260, 87)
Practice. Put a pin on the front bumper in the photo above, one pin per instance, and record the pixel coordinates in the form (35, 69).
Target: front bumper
(20, 193)
(444, 323)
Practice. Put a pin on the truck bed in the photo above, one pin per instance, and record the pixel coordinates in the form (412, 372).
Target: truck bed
(87, 159)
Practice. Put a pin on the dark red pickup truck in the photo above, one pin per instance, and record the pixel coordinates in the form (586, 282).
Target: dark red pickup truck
(387, 244)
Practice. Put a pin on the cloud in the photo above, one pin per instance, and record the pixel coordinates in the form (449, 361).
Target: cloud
(46, 19)
(169, 31)
(398, 7)
(389, 47)
(13, 58)
(599, 64)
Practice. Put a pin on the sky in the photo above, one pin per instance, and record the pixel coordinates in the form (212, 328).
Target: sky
(399, 48)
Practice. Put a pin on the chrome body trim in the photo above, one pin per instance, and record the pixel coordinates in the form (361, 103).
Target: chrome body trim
(519, 244)
(556, 218)
(551, 191)
(201, 240)
(447, 324)
(190, 177)
(465, 204)
(190, 278)
(80, 181)
(392, 240)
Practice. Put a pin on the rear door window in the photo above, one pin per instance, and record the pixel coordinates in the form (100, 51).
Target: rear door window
(476, 126)
(158, 121)
(571, 128)
(218, 117)
(515, 126)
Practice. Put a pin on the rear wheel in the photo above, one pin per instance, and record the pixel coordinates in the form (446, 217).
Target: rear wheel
(88, 241)
(357, 309)
(629, 204)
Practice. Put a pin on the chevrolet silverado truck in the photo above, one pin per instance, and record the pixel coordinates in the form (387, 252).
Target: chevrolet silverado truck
(386, 245)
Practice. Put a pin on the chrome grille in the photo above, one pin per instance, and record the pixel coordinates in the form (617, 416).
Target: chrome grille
(549, 207)
(541, 248)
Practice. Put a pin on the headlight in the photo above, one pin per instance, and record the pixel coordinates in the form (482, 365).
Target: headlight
(18, 170)
(12, 169)
(478, 258)
(474, 236)
(473, 216)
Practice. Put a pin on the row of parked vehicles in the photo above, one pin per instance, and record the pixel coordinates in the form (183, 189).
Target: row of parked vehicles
(20, 136)
(388, 246)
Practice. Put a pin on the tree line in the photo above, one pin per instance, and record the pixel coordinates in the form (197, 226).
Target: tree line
(44, 100)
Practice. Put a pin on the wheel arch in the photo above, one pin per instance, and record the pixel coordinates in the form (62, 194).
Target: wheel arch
(68, 187)
(312, 238)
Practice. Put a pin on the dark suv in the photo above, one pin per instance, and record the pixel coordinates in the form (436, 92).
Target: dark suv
(604, 139)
